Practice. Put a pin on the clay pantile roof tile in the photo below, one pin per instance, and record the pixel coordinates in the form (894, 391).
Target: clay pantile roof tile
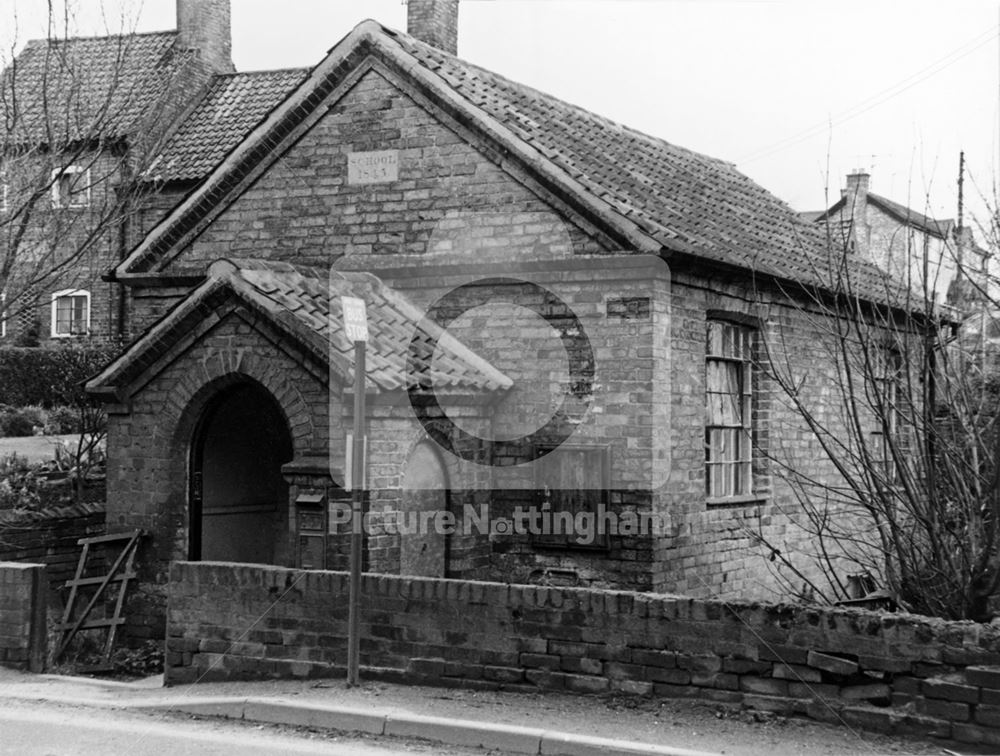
(231, 107)
(79, 88)
(305, 303)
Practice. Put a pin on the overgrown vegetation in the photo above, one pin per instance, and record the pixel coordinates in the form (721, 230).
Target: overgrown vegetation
(904, 409)
(50, 377)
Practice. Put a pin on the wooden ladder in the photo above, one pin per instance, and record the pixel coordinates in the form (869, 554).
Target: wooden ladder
(121, 572)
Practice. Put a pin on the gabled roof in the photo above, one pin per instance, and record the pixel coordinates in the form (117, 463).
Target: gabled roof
(942, 229)
(232, 105)
(79, 88)
(939, 228)
(304, 305)
(644, 193)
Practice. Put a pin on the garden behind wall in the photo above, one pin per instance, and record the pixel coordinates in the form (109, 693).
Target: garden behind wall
(888, 672)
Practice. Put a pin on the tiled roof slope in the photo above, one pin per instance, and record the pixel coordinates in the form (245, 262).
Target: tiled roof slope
(649, 193)
(71, 89)
(939, 228)
(672, 193)
(305, 304)
(232, 106)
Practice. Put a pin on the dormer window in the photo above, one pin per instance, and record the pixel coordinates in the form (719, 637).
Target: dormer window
(71, 187)
(70, 313)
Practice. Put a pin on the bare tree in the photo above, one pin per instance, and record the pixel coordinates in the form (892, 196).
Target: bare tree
(81, 118)
(904, 409)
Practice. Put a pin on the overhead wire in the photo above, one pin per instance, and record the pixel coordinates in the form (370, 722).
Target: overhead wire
(876, 99)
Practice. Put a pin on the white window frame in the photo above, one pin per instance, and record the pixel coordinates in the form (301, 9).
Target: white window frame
(729, 445)
(69, 293)
(82, 197)
(3, 314)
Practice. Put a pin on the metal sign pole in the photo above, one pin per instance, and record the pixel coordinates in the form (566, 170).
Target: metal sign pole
(356, 328)
(357, 504)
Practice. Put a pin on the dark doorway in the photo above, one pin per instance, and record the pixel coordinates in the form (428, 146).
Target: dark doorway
(238, 498)
(425, 494)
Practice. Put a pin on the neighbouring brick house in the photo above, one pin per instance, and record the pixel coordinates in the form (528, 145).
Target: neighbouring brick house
(899, 240)
(557, 249)
(83, 117)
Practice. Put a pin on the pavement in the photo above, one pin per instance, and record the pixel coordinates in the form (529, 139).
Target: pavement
(377, 709)
(503, 722)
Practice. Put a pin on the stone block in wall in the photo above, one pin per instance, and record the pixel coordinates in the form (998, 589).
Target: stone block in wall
(988, 715)
(868, 718)
(763, 686)
(984, 677)
(950, 691)
(952, 711)
(922, 725)
(829, 663)
(970, 733)
(654, 658)
(866, 692)
(796, 672)
(586, 684)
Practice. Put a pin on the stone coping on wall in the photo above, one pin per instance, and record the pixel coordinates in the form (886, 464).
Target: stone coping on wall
(884, 671)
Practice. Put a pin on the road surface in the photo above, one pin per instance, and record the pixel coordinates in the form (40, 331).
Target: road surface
(39, 729)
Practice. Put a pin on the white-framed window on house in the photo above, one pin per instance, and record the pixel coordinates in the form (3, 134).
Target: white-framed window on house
(728, 410)
(71, 187)
(70, 313)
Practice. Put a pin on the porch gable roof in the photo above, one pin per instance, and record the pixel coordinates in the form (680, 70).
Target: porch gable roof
(405, 350)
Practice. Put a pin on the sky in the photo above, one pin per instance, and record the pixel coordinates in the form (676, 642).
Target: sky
(795, 93)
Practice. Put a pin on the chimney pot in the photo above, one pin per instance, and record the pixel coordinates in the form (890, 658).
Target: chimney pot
(857, 183)
(204, 25)
(434, 22)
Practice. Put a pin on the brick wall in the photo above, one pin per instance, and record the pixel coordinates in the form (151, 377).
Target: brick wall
(627, 409)
(22, 616)
(304, 210)
(148, 469)
(204, 25)
(889, 672)
(434, 22)
(49, 537)
(55, 234)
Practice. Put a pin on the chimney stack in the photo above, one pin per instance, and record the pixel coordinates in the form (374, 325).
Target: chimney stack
(855, 206)
(434, 22)
(203, 25)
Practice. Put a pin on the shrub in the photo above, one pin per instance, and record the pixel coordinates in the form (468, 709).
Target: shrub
(21, 422)
(20, 483)
(62, 420)
(50, 376)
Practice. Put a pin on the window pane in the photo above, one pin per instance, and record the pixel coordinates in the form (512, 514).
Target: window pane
(713, 344)
(63, 315)
(724, 396)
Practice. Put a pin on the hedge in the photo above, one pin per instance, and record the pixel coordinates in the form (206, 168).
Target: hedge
(50, 376)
